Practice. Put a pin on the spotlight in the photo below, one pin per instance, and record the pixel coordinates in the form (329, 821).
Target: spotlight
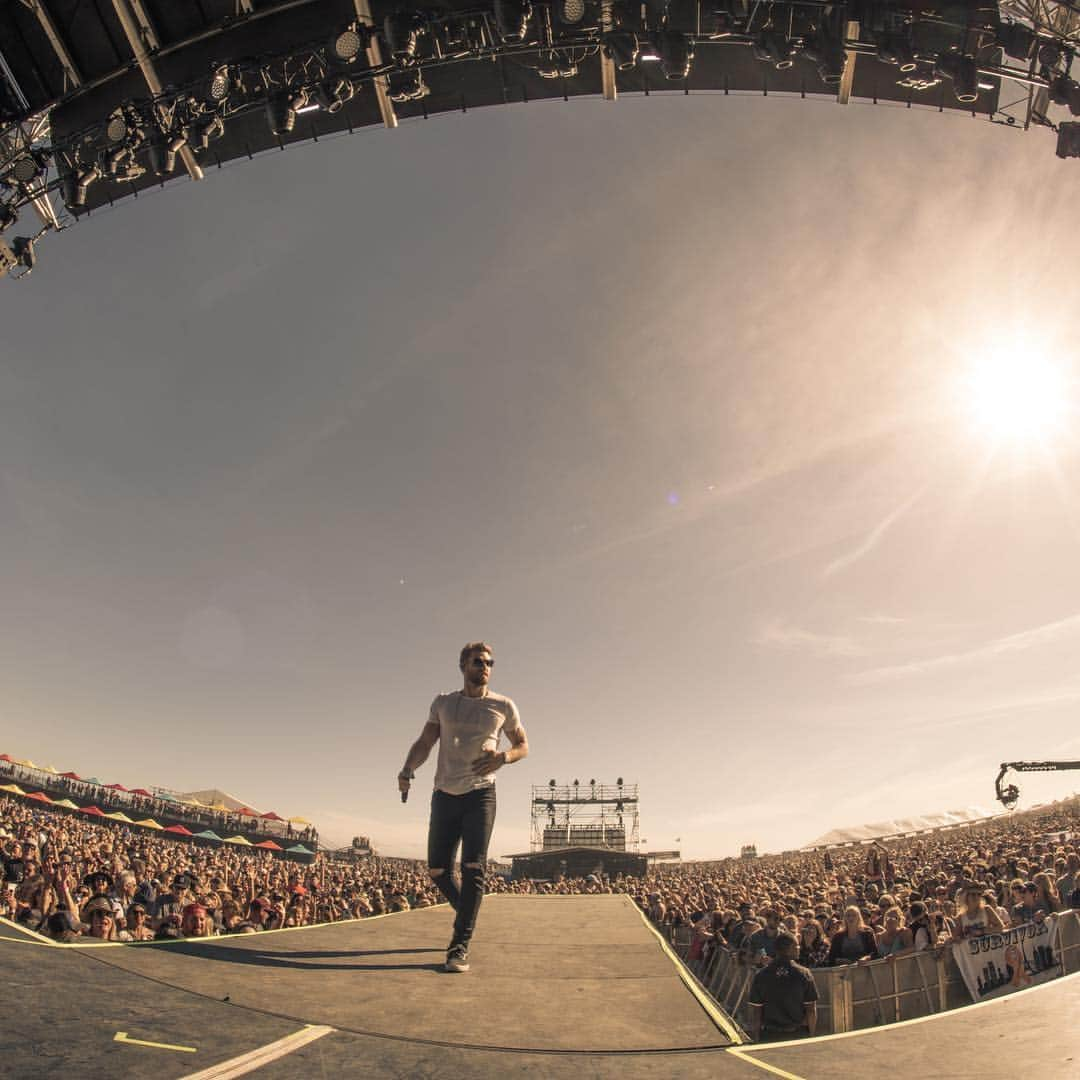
(1049, 54)
(210, 131)
(163, 154)
(556, 65)
(1068, 144)
(1059, 89)
(676, 54)
(728, 17)
(571, 14)
(827, 51)
(512, 20)
(894, 49)
(27, 168)
(79, 183)
(281, 110)
(220, 85)
(622, 48)
(964, 74)
(407, 85)
(333, 98)
(346, 46)
(401, 29)
(773, 48)
(1017, 40)
(116, 128)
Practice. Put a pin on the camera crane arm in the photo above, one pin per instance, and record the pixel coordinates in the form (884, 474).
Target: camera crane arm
(1009, 795)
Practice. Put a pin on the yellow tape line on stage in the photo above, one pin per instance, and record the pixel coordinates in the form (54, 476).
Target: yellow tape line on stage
(716, 1014)
(743, 1054)
(122, 1037)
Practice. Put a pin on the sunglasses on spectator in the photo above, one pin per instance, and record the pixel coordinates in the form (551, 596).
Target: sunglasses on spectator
(100, 915)
(480, 662)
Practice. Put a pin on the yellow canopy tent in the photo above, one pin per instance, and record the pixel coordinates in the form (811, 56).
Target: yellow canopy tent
(237, 840)
(66, 802)
(299, 821)
(119, 815)
(13, 788)
(149, 823)
(49, 768)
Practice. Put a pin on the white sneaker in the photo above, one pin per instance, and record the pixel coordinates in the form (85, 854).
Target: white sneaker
(457, 958)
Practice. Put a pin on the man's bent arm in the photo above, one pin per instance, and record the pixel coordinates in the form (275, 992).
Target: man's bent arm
(418, 752)
(520, 747)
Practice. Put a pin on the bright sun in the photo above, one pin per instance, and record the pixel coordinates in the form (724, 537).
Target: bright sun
(1013, 397)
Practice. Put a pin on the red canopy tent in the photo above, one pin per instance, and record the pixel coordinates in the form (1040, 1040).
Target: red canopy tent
(40, 796)
(247, 812)
(71, 775)
(96, 811)
(271, 816)
(140, 791)
(4, 757)
(269, 845)
(116, 787)
(179, 830)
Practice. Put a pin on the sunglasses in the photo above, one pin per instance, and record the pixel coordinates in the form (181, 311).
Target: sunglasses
(478, 662)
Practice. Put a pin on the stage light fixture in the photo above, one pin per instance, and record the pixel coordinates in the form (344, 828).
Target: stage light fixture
(648, 52)
(964, 74)
(116, 128)
(79, 183)
(676, 54)
(220, 85)
(569, 13)
(771, 47)
(27, 168)
(1016, 39)
(827, 51)
(1068, 144)
(332, 98)
(347, 46)
(728, 17)
(1049, 54)
(401, 29)
(512, 20)
(896, 49)
(281, 110)
(407, 85)
(556, 65)
(621, 47)
(210, 131)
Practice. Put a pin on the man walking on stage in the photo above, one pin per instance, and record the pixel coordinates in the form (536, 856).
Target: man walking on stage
(466, 725)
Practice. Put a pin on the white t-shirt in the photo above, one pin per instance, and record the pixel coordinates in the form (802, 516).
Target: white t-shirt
(467, 727)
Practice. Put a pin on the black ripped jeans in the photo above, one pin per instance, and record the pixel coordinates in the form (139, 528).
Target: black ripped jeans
(466, 819)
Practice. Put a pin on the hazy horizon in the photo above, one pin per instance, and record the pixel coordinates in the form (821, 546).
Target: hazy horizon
(683, 403)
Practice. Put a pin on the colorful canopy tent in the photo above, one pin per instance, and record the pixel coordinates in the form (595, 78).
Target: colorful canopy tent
(299, 849)
(192, 802)
(269, 845)
(246, 811)
(5, 757)
(71, 775)
(92, 780)
(243, 841)
(40, 796)
(272, 817)
(67, 804)
(165, 797)
(300, 821)
(28, 763)
(13, 788)
(179, 830)
(96, 811)
(149, 823)
(208, 834)
(50, 769)
(116, 787)
(140, 791)
(118, 815)
(219, 806)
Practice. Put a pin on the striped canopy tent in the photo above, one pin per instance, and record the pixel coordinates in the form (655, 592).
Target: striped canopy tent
(299, 821)
(299, 849)
(40, 796)
(149, 823)
(271, 816)
(67, 804)
(116, 787)
(13, 788)
(208, 834)
(28, 763)
(119, 815)
(269, 845)
(179, 830)
(94, 811)
(71, 775)
(246, 811)
(243, 841)
(141, 791)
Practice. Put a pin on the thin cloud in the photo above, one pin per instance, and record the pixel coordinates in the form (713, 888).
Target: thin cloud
(784, 635)
(1046, 634)
(875, 535)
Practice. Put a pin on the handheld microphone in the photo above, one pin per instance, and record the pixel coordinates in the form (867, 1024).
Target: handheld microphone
(405, 796)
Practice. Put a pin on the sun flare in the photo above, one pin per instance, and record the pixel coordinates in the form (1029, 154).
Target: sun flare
(1011, 397)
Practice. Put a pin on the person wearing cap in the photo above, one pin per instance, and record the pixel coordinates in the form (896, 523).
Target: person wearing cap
(137, 922)
(783, 996)
(467, 725)
(97, 912)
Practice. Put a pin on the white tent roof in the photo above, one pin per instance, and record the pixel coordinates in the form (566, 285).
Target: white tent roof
(213, 796)
(875, 830)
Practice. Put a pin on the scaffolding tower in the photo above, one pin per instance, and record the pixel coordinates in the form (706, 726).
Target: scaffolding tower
(585, 815)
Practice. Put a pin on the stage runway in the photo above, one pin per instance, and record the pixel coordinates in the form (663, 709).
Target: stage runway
(560, 987)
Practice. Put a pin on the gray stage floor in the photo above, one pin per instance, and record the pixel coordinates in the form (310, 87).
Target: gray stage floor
(560, 987)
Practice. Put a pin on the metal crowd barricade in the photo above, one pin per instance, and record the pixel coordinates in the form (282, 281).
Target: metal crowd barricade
(856, 996)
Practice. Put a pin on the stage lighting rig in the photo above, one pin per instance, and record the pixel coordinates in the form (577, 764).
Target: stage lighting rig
(282, 107)
(555, 64)
(825, 47)
(729, 17)
(401, 32)
(896, 49)
(220, 85)
(622, 48)
(407, 85)
(1017, 40)
(772, 47)
(512, 20)
(964, 73)
(8, 217)
(333, 96)
(346, 46)
(676, 53)
(924, 77)
(575, 16)
(28, 167)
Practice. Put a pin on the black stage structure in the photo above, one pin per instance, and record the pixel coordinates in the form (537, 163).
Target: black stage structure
(100, 101)
(560, 987)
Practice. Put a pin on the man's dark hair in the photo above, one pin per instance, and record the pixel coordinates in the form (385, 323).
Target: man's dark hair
(472, 647)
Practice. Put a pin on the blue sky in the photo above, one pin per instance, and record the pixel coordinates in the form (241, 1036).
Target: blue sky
(670, 400)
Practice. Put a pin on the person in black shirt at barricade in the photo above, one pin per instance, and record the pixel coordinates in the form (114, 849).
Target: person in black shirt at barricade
(783, 996)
